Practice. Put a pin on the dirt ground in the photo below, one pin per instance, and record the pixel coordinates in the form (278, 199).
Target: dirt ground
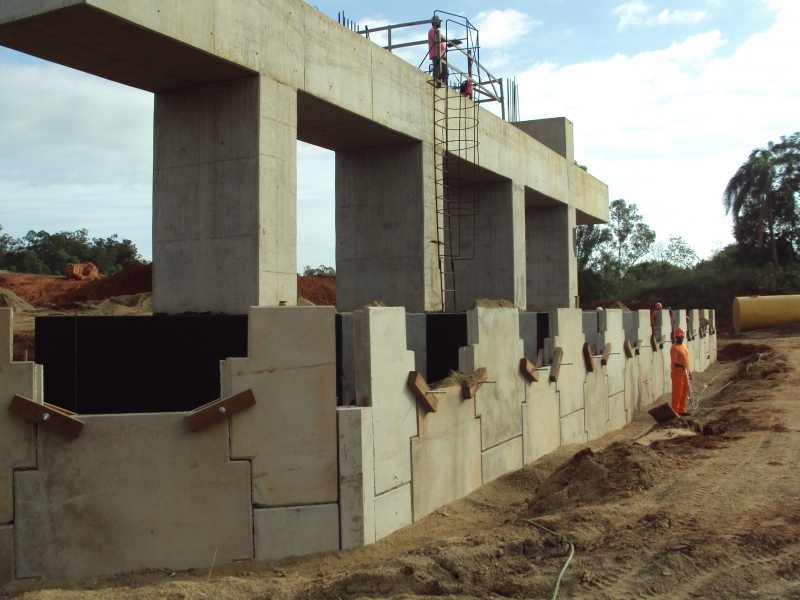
(705, 516)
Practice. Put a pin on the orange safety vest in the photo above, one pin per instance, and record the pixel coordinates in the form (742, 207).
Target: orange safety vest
(679, 353)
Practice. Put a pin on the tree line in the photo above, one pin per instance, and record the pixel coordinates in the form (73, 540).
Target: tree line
(623, 260)
(42, 253)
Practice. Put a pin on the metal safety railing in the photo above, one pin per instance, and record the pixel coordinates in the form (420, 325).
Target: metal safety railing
(465, 46)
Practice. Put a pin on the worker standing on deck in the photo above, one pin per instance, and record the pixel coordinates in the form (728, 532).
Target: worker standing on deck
(680, 372)
(437, 50)
(654, 314)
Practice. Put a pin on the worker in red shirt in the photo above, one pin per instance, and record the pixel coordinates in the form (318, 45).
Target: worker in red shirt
(680, 372)
(437, 51)
(653, 315)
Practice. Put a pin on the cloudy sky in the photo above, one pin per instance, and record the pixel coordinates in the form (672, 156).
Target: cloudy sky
(668, 98)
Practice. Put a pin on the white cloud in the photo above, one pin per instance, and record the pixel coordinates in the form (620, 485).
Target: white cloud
(637, 14)
(668, 17)
(499, 28)
(667, 129)
(631, 13)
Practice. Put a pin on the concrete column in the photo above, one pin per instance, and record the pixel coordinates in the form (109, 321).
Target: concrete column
(492, 247)
(385, 228)
(224, 197)
(552, 270)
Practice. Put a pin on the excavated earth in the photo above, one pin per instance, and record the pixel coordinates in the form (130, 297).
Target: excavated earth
(703, 516)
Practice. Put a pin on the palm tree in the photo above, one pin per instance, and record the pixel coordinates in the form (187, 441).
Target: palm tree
(755, 182)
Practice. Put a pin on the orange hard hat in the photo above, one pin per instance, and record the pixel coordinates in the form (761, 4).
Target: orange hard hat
(680, 332)
(658, 306)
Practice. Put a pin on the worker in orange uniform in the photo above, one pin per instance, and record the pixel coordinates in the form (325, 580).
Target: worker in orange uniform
(437, 51)
(680, 372)
(654, 314)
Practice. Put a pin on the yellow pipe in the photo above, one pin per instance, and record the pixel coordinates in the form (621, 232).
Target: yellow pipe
(760, 312)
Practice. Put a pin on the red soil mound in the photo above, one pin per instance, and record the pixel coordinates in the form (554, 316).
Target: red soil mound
(53, 289)
(136, 279)
(319, 289)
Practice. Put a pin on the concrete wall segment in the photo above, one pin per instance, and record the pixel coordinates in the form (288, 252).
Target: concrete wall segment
(494, 343)
(541, 430)
(6, 555)
(573, 428)
(291, 369)
(446, 456)
(295, 530)
(502, 459)
(356, 477)
(596, 408)
(392, 511)
(17, 436)
(133, 492)
(382, 367)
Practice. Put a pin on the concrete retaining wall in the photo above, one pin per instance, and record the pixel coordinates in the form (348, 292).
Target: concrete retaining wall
(294, 474)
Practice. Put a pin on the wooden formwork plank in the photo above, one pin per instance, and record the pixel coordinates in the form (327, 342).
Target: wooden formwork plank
(48, 416)
(416, 383)
(219, 410)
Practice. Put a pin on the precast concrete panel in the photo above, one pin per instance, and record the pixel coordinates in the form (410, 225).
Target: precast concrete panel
(645, 356)
(629, 324)
(494, 343)
(632, 383)
(657, 374)
(446, 456)
(566, 331)
(611, 332)
(502, 459)
(17, 436)
(6, 554)
(596, 397)
(392, 511)
(289, 436)
(646, 396)
(356, 477)
(382, 367)
(296, 530)
(573, 428)
(132, 492)
(541, 430)
(617, 415)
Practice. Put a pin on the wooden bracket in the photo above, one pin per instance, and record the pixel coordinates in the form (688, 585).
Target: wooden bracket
(48, 416)
(653, 343)
(628, 348)
(606, 354)
(587, 357)
(219, 410)
(638, 347)
(528, 370)
(662, 341)
(417, 384)
(469, 391)
(540, 358)
(556, 366)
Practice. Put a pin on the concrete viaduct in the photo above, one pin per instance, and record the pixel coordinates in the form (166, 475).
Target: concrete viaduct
(238, 82)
